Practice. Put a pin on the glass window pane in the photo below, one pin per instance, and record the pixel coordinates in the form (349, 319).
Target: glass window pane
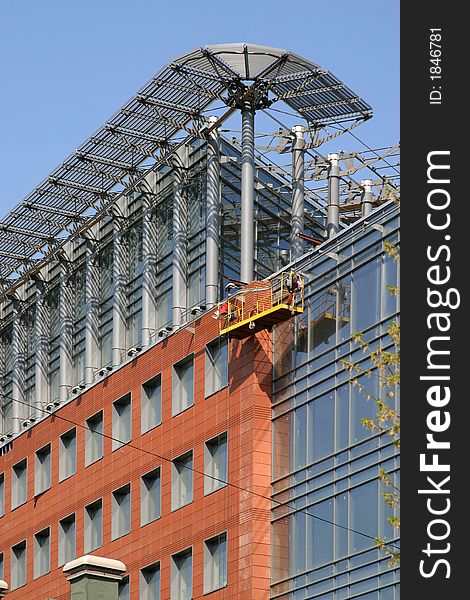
(364, 516)
(366, 295)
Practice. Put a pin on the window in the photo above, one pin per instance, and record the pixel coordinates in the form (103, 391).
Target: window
(2, 573)
(181, 575)
(151, 408)
(215, 463)
(215, 563)
(124, 589)
(67, 454)
(366, 295)
(93, 526)
(121, 512)
(94, 439)
(42, 470)
(2, 496)
(19, 483)
(183, 385)
(42, 553)
(150, 497)
(66, 540)
(121, 421)
(216, 366)
(18, 566)
(182, 481)
(150, 582)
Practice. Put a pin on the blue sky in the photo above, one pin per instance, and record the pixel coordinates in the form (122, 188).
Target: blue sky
(66, 66)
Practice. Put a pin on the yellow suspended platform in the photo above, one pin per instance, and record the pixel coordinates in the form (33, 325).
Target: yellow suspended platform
(261, 304)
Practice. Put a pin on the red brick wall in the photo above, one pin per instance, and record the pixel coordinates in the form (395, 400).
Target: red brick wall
(243, 409)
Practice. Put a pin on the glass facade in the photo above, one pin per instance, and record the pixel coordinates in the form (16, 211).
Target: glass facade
(329, 505)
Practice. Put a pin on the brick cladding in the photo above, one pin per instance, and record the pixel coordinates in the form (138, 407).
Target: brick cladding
(243, 409)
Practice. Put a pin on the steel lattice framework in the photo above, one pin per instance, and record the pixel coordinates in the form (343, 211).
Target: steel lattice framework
(167, 112)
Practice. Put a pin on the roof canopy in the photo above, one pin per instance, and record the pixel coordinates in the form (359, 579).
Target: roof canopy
(171, 106)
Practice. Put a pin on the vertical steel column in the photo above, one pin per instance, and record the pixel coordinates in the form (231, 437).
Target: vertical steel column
(3, 401)
(149, 271)
(66, 294)
(298, 192)
(367, 198)
(119, 294)
(213, 217)
(18, 375)
(332, 226)
(41, 347)
(92, 314)
(247, 254)
(180, 238)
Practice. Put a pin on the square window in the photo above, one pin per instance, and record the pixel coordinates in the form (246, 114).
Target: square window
(183, 385)
(94, 438)
(216, 367)
(124, 589)
(18, 566)
(121, 421)
(150, 582)
(42, 558)
(67, 454)
(215, 463)
(215, 563)
(151, 404)
(66, 540)
(150, 495)
(42, 470)
(93, 534)
(19, 483)
(182, 481)
(182, 575)
(121, 512)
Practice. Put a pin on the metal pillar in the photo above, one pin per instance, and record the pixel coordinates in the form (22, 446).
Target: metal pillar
(65, 340)
(41, 343)
(149, 272)
(92, 314)
(180, 238)
(119, 295)
(298, 193)
(332, 226)
(247, 254)
(213, 217)
(367, 198)
(18, 376)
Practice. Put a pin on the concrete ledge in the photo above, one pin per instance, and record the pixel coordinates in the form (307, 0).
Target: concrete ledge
(97, 566)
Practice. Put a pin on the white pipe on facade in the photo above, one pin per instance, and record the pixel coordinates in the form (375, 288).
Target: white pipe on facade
(41, 348)
(119, 294)
(66, 294)
(213, 217)
(298, 192)
(149, 271)
(180, 238)
(18, 375)
(92, 314)
(247, 249)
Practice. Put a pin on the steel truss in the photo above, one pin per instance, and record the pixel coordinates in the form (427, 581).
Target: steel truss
(169, 110)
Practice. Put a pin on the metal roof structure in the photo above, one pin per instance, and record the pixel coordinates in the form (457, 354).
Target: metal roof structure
(168, 111)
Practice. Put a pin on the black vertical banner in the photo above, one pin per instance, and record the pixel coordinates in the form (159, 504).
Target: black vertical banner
(435, 260)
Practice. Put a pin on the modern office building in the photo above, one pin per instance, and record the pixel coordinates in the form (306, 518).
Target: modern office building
(176, 303)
